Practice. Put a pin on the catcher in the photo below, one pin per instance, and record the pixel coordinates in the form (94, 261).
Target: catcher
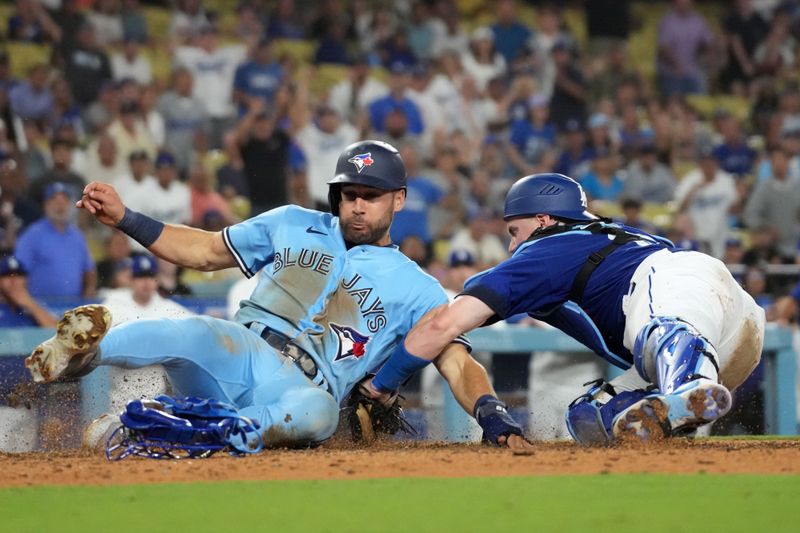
(679, 324)
(333, 300)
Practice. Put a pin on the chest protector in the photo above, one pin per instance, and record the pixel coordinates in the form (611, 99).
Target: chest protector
(569, 316)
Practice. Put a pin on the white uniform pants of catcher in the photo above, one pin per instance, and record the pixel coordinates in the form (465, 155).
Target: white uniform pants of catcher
(700, 290)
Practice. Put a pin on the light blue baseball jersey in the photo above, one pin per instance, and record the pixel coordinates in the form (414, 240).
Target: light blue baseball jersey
(348, 308)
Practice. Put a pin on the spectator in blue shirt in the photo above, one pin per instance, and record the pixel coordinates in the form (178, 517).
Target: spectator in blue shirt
(32, 99)
(396, 100)
(533, 137)
(577, 155)
(332, 47)
(734, 155)
(17, 306)
(603, 181)
(421, 194)
(54, 252)
(510, 36)
(396, 49)
(260, 77)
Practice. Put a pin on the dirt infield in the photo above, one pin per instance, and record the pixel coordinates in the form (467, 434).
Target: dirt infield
(407, 460)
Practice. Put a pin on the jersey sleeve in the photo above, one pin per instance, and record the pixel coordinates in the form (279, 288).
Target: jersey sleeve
(521, 284)
(251, 242)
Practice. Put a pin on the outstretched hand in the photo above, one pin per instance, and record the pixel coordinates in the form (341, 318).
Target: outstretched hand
(102, 201)
(515, 442)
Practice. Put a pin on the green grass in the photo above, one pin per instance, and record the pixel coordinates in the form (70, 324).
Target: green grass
(648, 503)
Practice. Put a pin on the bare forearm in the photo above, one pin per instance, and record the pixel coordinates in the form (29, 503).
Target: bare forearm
(192, 248)
(467, 378)
(431, 335)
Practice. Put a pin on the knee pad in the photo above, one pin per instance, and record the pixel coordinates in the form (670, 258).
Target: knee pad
(669, 352)
(590, 417)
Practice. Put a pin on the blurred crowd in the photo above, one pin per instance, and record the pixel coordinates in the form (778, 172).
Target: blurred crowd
(699, 140)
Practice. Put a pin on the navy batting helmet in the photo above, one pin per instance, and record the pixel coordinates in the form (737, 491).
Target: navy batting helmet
(548, 194)
(374, 163)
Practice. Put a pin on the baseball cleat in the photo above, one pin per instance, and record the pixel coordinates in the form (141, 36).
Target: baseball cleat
(661, 416)
(99, 431)
(74, 345)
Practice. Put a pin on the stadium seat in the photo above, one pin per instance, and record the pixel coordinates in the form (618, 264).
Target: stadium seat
(659, 215)
(25, 55)
(299, 51)
(327, 76)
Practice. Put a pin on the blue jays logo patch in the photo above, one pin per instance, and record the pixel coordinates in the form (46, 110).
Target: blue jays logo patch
(361, 161)
(351, 342)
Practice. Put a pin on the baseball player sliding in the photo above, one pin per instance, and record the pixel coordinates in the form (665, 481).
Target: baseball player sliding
(676, 320)
(333, 300)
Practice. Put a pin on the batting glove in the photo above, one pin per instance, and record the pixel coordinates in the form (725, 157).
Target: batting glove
(492, 415)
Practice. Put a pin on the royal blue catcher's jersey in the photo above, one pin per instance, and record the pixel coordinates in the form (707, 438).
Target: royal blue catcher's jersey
(538, 279)
(348, 308)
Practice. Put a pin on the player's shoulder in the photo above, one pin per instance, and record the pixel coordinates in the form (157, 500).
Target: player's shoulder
(400, 267)
(296, 215)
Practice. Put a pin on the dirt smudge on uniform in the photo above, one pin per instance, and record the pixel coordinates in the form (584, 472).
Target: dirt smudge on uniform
(745, 356)
(229, 344)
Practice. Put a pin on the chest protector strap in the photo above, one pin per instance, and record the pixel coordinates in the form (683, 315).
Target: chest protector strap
(621, 237)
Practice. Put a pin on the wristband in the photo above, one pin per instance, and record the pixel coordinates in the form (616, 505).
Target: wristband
(140, 228)
(400, 366)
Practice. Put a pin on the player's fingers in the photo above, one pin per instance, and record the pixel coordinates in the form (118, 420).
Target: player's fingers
(516, 442)
(96, 206)
(83, 203)
(91, 186)
(99, 190)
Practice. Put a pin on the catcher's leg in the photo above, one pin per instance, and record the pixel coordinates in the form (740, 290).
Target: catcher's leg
(591, 416)
(684, 366)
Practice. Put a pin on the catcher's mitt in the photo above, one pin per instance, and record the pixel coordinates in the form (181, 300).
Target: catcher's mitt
(367, 417)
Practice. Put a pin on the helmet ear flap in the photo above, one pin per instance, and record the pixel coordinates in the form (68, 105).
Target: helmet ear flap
(334, 197)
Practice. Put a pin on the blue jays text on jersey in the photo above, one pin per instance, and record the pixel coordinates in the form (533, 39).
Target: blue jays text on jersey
(538, 280)
(347, 307)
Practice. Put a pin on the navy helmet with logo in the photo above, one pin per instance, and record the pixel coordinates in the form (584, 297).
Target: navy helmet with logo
(547, 194)
(373, 163)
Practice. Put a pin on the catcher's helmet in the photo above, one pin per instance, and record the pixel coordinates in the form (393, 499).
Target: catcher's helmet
(547, 194)
(374, 163)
